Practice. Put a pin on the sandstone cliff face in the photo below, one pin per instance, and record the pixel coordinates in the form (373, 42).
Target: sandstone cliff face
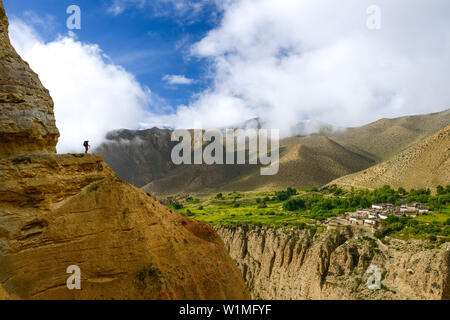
(27, 122)
(62, 210)
(292, 264)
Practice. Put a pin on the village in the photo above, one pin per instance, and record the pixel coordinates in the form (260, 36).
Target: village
(372, 217)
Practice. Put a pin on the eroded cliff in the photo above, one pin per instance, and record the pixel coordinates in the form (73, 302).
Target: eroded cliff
(62, 210)
(27, 121)
(290, 263)
(58, 211)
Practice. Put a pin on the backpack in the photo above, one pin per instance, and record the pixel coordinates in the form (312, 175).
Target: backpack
(85, 144)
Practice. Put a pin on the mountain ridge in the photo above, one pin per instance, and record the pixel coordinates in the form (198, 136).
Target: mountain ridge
(425, 164)
(331, 154)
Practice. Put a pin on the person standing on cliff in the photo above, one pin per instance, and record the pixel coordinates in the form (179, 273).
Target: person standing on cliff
(86, 146)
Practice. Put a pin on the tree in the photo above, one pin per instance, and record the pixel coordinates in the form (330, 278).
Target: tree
(282, 195)
(291, 191)
(177, 206)
(401, 191)
(294, 204)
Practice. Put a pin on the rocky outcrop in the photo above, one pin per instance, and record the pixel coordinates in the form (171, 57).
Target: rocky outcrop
(58, 211)
(62, 210)
(27, 122)
(290, 263)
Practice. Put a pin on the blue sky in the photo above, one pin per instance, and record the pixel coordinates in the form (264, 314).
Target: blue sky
(285, 62)
(149, 41)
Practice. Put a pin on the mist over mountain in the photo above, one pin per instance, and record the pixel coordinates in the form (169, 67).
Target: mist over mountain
(306, 159)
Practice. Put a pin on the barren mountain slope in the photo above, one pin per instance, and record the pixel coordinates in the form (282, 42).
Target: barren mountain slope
(138, 156)
(425, 164)
(385, 138)
(304, 162)
(143, 157)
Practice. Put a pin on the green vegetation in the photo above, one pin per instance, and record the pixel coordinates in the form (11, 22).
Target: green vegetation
(284, 195)
(192, 200)
(417, 228)
(177, 206)
(262, 208)
(294, 204)
(436, 202)
(302, 209)
(219, 196)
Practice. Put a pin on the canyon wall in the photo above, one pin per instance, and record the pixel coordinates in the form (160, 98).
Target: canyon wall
(290, 263)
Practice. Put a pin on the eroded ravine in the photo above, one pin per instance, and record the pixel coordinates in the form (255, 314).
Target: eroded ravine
(288, 263)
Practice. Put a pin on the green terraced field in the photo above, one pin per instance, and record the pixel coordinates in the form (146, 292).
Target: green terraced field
(270, 209)
(236, 209)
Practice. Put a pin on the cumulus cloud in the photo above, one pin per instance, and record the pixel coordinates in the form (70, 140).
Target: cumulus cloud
(294, 60)
(284, 62)
(177, 79)
(92, 96)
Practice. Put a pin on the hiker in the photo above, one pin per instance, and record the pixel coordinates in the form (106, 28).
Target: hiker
(86, 146)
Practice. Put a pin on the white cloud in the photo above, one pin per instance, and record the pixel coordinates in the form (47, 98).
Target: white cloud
(177, 79)
(282, 61)
(46, 22)
(92, 96)
(286, 61)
